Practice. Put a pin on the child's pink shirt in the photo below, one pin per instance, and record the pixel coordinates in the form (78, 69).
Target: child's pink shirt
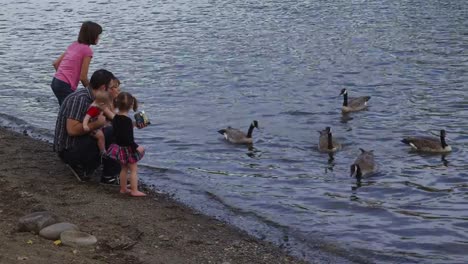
(69, 69)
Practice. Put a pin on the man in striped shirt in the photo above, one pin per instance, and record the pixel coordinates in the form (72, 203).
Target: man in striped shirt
(72, 143)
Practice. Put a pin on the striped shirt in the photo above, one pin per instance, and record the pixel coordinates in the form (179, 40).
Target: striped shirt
(73, 107)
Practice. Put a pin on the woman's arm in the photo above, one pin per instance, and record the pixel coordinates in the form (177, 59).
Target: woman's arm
(84, 71)
(57, 62)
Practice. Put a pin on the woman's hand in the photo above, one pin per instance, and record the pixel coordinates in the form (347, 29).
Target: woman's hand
(57, 62)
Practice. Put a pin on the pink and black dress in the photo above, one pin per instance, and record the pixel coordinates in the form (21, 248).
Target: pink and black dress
(124, 149)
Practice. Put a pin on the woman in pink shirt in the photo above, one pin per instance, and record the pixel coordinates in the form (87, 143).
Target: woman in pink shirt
(72, 66)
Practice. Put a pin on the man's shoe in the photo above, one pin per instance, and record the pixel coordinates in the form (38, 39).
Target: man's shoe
(110, 180)
(79, 172)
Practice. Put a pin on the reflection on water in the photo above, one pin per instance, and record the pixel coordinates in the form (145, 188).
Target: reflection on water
(346, 117)
(198, 64)
(330, 162)
(444, 160)
(253, 152)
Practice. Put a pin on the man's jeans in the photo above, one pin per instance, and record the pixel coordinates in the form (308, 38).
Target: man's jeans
(86, 155)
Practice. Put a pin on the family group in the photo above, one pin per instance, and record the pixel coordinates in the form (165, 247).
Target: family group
(93, 126)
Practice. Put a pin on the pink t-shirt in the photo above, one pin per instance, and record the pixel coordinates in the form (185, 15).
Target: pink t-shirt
(69, 69)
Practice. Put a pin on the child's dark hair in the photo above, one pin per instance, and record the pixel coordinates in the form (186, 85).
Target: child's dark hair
(124, 102)
(89, 33)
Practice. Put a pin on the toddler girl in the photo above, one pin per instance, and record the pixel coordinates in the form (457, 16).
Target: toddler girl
(125, 150)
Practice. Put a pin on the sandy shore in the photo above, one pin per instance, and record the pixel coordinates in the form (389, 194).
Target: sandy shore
(154, 229)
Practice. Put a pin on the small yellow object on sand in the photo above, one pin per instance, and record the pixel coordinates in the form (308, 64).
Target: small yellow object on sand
(58, 242)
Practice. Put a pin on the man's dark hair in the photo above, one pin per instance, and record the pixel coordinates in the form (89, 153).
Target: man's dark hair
(101, 77)
(89, 33)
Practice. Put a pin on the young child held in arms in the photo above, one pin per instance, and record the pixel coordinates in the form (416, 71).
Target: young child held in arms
(125, 150)
(100, 104)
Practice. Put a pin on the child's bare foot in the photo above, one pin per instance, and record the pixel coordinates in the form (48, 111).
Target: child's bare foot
(125, 191)
(137, 194)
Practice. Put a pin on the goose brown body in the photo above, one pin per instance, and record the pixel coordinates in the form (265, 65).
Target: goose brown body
(326, 141)
(236, 136)
(364, 165)
(353, 104)
(428, 144)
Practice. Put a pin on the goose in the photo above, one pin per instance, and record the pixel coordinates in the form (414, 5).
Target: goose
(364, 165)
(236, 136)
(428, 144)
(353, 104)
(326, 142)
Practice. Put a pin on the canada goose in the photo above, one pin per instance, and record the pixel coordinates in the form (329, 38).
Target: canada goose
(326, 142)
(236, 136)
(364, 165)
(428, 144)
(353, 104)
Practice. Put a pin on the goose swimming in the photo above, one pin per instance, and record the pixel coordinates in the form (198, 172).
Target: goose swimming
(429, 144)
(364, 165)
(326, 142)
(236, 136)
(353, 104)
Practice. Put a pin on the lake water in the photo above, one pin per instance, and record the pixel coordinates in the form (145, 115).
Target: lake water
(199, 66)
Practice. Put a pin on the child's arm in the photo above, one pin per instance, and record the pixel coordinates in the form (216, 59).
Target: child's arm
(74, 118)
(141, 149)
(86, 122)
(57, 62)
(108, 113)
(84, 71)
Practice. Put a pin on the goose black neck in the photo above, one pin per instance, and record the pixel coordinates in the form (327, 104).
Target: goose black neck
(442, 141)
(345, 99)
(330, 141)
(249, 133)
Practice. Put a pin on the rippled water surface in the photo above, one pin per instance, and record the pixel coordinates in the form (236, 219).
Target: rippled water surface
(199, 66)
